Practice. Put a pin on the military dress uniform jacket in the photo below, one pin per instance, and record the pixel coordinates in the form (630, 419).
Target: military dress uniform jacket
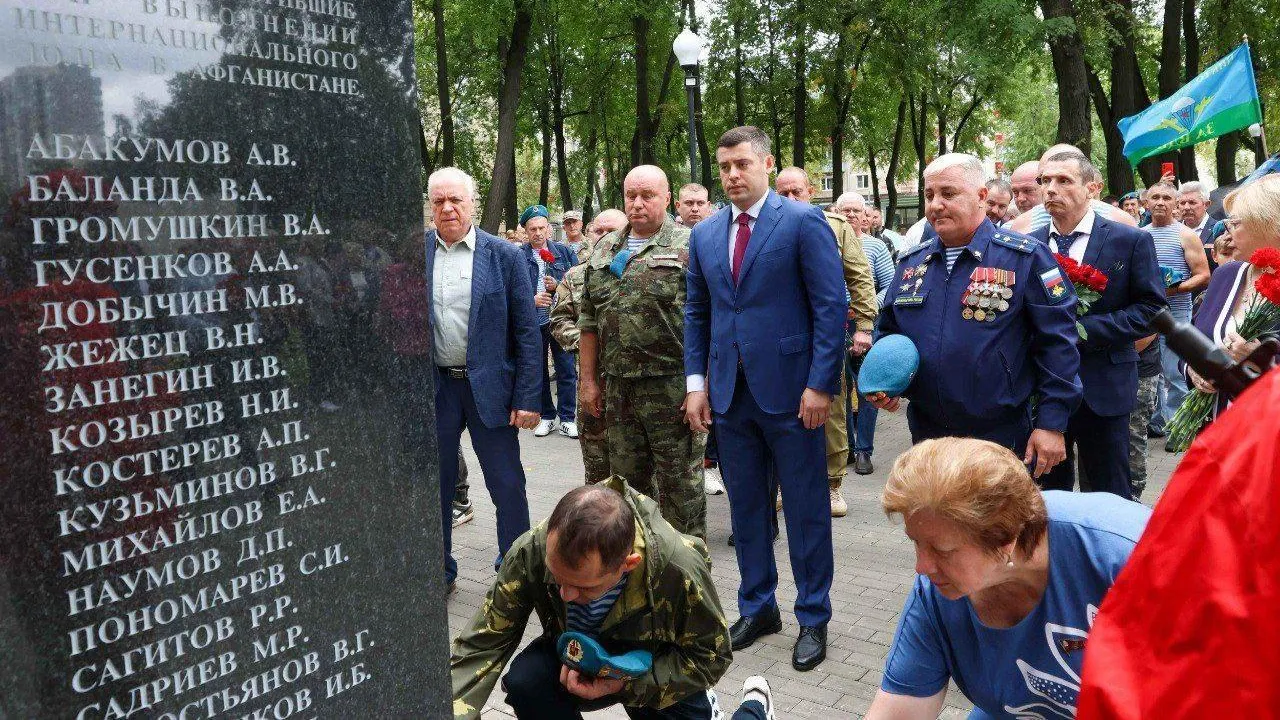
(858, 279)
(564, 308)
(668, 607)
(995, 331)
(639, 317)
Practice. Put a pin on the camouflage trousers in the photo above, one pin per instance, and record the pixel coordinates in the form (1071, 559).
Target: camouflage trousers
(1139, 419)
(652, 448)
(595, 448)
(837, 436)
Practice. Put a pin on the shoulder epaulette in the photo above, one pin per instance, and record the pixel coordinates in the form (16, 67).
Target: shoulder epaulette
(1014, 241)
(913, 250)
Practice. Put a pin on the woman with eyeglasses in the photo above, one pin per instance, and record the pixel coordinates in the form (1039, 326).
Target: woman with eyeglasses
(1253, 223)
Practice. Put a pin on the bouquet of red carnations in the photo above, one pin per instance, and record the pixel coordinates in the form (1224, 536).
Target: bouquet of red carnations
(1262, 315)
(1089, 282)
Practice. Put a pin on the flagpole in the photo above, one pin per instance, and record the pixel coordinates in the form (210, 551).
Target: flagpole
(1256, 130)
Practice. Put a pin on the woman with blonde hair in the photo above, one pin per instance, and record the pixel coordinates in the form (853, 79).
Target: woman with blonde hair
(1254, 223)
(1008, 581)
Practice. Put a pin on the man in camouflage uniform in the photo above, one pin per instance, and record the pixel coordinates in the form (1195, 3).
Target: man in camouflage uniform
(564, 328)
(632, 324)
(793, 182)
(605, 564)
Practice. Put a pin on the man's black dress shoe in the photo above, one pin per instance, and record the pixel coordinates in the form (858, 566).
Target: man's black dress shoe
(747, 630)
(811, 648)
(862, 463)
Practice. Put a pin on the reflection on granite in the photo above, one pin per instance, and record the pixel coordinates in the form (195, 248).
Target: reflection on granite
(221, 494)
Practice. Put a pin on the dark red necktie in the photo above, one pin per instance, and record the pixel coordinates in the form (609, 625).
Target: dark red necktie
(740, 244)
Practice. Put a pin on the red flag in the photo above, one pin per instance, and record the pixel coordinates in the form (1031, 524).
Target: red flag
(1191, 628)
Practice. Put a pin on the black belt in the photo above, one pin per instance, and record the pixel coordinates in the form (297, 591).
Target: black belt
(457, 373)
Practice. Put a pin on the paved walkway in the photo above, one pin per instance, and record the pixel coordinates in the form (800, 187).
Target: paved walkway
(873, 572)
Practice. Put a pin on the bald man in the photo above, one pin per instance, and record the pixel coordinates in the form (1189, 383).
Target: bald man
(1026, 186)
(631, 350)
(1038, 217)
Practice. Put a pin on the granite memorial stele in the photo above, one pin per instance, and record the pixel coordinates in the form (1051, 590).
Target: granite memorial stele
(220, 490)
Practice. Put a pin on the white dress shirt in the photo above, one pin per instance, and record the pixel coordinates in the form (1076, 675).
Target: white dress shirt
(698, 383)
(1085, 228)
(451, 299)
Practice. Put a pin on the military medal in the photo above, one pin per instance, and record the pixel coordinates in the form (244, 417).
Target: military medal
(979, 314)
(967, 314)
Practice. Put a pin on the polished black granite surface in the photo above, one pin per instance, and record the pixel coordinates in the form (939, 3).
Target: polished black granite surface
(217, 465)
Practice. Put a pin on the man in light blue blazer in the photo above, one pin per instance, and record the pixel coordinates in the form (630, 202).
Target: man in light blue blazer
(764, 342)
(485, 341)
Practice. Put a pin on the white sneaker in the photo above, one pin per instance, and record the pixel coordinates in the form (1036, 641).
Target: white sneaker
(544, 428)
(714, 700)
(569, 429)
(757, 688)
(712, 483)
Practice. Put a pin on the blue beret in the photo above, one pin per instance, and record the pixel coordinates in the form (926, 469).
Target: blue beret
(1130, 196)
(889, 366)
(1218, 228)
(584, 654)
(532, 212)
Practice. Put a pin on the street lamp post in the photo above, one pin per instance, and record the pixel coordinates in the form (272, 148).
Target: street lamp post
(687, 47)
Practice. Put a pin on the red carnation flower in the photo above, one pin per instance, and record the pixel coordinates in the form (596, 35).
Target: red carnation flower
(1268, 286)
(546, 255)
(1267, 258)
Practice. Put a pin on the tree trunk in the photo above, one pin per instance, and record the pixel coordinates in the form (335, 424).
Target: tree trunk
(837, 162)
(799, 91)
(1191, 67)
(875, 181)
(502, 190)
(739, 98)
(557, 121)
(942, 132)
(890, 213)
(1071, 73)
(964, 120)
(1118, 173)
(590, 149)
(1224, 156)
(445, 158)
(513, 203)
(1169, 78)
(918, 130)
(642, 140)
(544, 181)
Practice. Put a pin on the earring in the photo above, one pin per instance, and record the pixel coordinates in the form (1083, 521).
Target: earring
(1008, 561)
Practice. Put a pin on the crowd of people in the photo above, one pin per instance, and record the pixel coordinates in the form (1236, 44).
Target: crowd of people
(728, 341)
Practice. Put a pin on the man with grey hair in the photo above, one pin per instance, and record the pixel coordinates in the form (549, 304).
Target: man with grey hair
(993, 320)
(486, 363)
(999, 195)
(1193, 208)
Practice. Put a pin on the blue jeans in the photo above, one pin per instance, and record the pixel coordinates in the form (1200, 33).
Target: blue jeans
(566, 379)
(862, 424)
(1173, 387)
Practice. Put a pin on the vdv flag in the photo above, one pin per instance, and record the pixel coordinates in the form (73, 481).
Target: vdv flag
(1219, 100)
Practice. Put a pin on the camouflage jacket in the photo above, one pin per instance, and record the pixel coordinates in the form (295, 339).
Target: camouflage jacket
(858, 279)
(638, 317)
(564, 308)
(668, 607)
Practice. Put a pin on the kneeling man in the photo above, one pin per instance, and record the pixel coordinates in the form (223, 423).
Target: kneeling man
(606, 565)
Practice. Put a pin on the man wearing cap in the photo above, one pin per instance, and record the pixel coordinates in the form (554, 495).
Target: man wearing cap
(571, 221)
(564, 327)
(993, 318)
(548, 262)
(860, 289)
(632, 352)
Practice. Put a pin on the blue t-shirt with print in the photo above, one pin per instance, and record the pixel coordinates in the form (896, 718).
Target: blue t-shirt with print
(1031, 670)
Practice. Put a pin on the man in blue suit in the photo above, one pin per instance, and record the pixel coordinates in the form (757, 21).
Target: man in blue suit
(764, 330)
(486, 344)
(1099, 428)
